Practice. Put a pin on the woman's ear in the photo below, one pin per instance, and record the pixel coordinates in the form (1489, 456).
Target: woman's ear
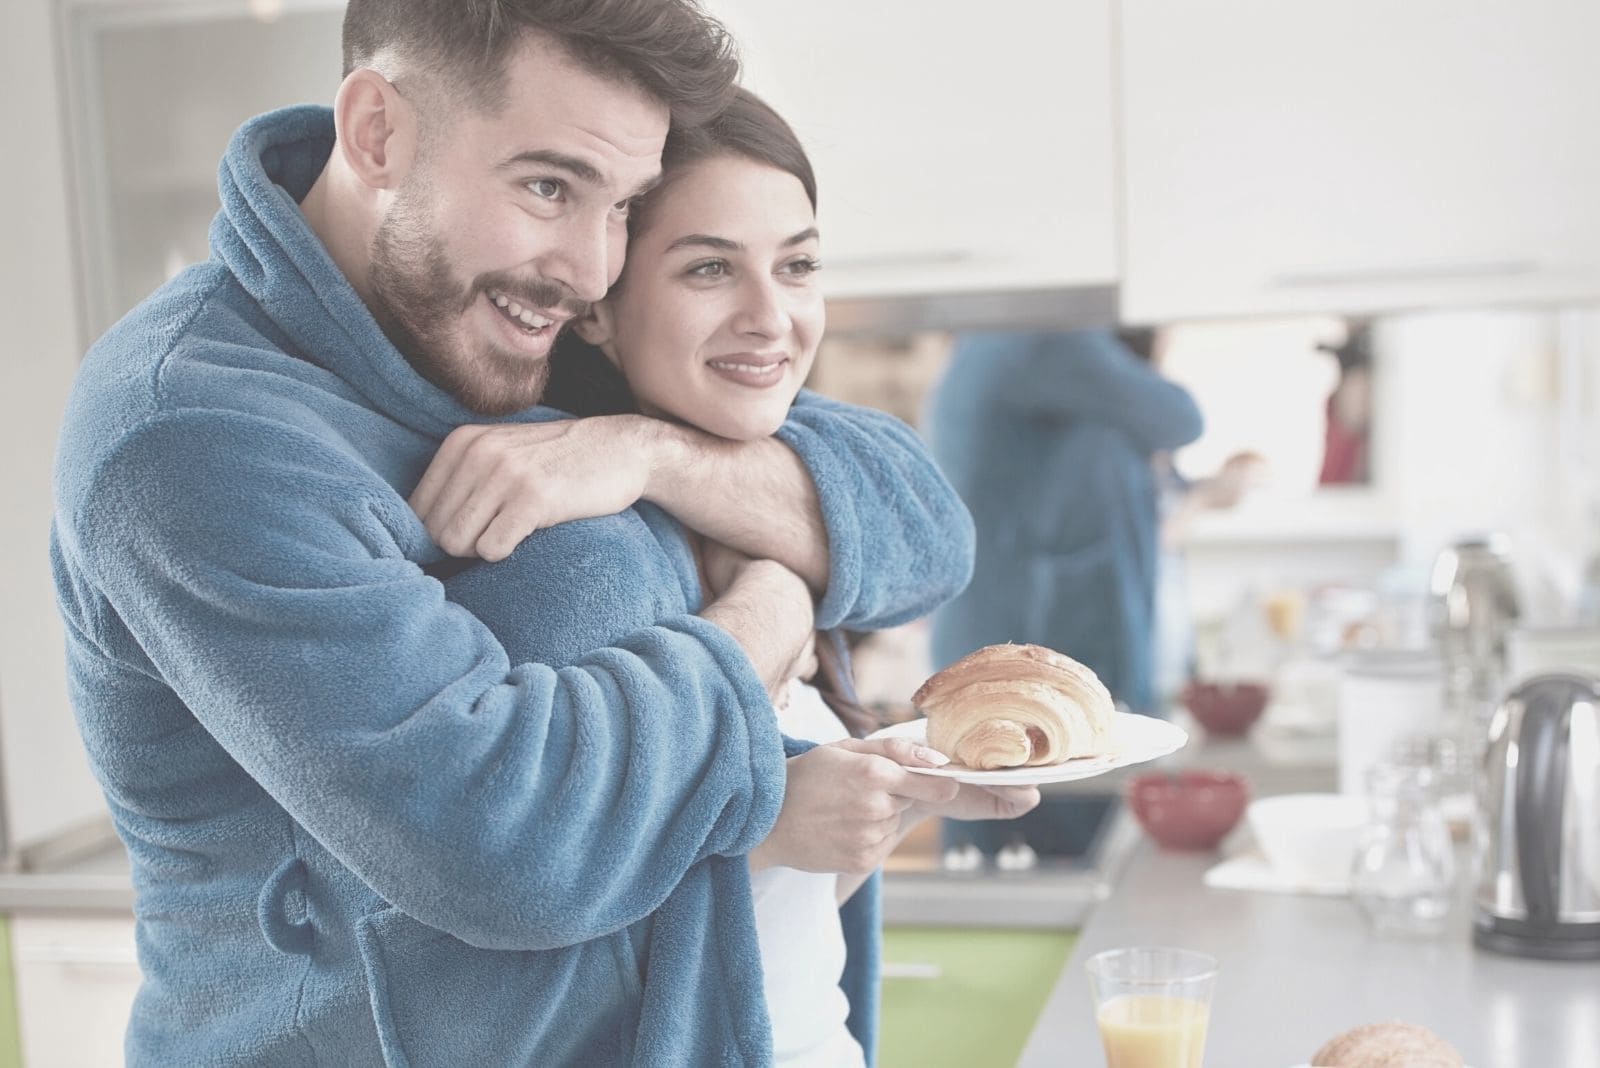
(376, 129)
(597, 326)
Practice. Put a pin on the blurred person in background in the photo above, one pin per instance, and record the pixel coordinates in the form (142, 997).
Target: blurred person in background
(1051, 439)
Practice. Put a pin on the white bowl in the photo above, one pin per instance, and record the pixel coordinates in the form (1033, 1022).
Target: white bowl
(1309, 838)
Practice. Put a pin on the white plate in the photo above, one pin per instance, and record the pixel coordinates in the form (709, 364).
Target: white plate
(1137, 739)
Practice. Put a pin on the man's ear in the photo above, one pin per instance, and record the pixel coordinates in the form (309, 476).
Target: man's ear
(376, 129)
(598, 326)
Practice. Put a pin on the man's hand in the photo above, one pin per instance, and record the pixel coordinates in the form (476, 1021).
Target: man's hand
(489, 487)
(843, 805)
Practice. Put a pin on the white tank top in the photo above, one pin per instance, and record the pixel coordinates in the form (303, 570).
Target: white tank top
(801, 939)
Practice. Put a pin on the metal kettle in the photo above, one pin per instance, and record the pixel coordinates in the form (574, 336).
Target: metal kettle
(1538, 833)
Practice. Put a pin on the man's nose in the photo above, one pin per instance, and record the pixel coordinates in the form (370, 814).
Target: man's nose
(763, 311)
(582, 259)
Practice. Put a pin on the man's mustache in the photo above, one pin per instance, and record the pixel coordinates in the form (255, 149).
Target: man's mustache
(539, 294)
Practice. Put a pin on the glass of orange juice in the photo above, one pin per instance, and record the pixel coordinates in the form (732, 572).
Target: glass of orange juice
(1152, 1004)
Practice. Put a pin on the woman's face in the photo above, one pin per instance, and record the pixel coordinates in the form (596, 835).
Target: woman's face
(717, 317)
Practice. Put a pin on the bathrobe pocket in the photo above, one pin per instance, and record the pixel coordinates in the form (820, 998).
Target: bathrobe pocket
(438, 1001)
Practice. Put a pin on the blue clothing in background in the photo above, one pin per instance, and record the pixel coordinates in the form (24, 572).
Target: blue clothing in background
(363, 828)
(1048, 438)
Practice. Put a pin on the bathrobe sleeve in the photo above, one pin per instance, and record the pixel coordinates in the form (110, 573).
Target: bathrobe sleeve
(513, 806)
(900, 540)
(1089, 375)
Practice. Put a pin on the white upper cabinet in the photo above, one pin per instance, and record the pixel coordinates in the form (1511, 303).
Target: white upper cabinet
(957, 148)
(1359, 155)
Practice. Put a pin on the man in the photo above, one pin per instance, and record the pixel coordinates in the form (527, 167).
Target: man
(358, 833)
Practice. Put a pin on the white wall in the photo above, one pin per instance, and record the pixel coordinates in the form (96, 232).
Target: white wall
(47, 782)
(1478, 434)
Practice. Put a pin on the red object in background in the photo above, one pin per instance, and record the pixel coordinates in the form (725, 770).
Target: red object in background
(1225, 709)
(1191, 810)
(1344, 453)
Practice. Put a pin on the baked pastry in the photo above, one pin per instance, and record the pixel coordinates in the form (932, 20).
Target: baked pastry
(1387, 1045)
(1011, 706)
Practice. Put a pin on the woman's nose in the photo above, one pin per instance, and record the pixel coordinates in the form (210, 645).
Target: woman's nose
(762, 310)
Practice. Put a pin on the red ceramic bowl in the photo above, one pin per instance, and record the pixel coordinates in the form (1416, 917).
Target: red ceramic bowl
(1225, 708)
(1188, 810)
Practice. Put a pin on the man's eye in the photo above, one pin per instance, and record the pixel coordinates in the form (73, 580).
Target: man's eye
(710, 269)
(546, 188)
(624, 208)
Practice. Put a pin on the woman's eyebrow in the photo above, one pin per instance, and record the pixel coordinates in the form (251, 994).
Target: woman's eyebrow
(723, 244)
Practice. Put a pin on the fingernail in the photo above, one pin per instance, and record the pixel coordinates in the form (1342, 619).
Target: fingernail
(932, 756)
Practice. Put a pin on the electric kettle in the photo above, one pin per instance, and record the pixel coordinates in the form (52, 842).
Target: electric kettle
(1538, 832)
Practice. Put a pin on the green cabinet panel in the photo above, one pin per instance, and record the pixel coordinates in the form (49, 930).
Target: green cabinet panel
(980, 1009)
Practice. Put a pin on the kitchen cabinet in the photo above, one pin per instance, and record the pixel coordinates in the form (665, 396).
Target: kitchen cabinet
(956, 151)
(76, 977)
(1357, 156)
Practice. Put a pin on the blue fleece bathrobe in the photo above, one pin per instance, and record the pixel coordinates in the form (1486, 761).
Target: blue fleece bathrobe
(363, 830)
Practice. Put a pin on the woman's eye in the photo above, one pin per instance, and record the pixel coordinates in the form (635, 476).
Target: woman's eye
(545, 188)
(802, 268)
(710, 269)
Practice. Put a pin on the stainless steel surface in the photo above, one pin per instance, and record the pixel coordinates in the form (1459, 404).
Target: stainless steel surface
(897, 315)
(1474, 605)
(1538, 878)
(1297, 970)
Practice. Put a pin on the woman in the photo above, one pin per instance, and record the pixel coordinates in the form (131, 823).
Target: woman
(715, 323)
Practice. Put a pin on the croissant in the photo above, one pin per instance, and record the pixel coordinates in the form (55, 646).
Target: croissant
(1388, 1045)
(1009, 706)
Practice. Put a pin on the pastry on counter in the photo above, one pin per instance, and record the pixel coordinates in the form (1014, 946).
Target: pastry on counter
(1387, 1045)
(1010, 706)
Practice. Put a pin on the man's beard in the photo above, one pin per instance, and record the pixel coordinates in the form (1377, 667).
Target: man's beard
(419, 303)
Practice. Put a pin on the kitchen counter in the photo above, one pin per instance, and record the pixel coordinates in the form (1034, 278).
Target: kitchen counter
(1297, 970)
(1062, 894)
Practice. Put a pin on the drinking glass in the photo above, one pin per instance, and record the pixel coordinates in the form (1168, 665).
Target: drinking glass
(1152, 1005)
(1403, 876)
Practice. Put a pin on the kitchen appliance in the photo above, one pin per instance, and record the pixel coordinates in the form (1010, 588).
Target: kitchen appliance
(1538, 855)
(1474, 605)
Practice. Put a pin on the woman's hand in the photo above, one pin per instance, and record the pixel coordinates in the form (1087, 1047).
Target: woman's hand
(843, 805)
(973, 802)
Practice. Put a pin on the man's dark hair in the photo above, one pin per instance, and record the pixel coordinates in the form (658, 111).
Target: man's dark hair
(668, 48)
